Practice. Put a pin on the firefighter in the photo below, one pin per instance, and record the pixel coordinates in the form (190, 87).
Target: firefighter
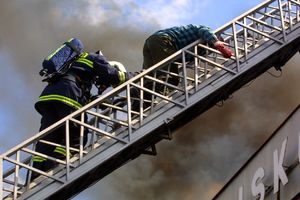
(164, 43)
(65, 95)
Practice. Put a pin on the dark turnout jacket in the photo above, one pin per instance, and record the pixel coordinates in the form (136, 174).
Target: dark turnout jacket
(74, 87)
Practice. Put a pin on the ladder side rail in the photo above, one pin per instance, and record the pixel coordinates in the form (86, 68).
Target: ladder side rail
(140, 77)
(59, 145)
(106, 117)
(165, 83)
(31, 140)
(247, 27)
(32, 169)
(235, 43)
(245, 46)
(13, 157)
(81, 145)
(282, 19)
(185, 77)
(99, 131)
(197, 65)
(16, 177)
(141, 87)
(22, 147)
(259, 32)
(67, 142)
(37, 136)
(10, 171)
(290, 12)
(248, 13)
(67, 145)
(296, 5)
(129, 112)
(95, 122)
(297, 9)
(261, 21)
(266, 16)
(273, 10)
(141, 110)
(17, 164)
(31, 152)
(35, 153)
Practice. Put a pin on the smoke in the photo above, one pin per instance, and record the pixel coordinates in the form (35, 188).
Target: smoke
(206, 153)
(32, 29)
(203, 155)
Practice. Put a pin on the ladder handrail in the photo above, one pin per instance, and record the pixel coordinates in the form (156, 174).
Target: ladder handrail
(244, 37)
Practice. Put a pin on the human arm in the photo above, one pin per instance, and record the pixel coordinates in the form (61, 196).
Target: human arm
(107, 74)
(206, 34)
(226, 52)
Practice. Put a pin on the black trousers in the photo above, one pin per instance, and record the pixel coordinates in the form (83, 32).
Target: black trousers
(52, 112)
(156, 48)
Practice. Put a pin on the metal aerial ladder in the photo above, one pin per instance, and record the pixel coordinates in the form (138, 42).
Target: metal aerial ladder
(263, 37)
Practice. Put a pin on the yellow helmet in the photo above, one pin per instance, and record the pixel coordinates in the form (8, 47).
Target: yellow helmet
(117, 65)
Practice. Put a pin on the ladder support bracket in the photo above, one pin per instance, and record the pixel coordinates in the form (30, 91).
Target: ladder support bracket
(150, 151)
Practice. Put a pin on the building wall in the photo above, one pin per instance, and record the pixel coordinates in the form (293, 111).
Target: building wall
(273, 172)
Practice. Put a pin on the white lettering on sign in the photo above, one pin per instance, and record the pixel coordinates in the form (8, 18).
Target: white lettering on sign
(279, 173)
(241, 189)
(258, 189)
(257, 185)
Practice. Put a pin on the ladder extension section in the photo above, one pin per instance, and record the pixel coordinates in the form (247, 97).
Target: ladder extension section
(265, 36)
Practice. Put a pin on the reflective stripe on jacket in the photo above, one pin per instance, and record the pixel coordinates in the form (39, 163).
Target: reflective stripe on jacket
(60, 98)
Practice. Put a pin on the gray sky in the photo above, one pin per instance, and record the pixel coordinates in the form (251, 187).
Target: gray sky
(195, 164)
